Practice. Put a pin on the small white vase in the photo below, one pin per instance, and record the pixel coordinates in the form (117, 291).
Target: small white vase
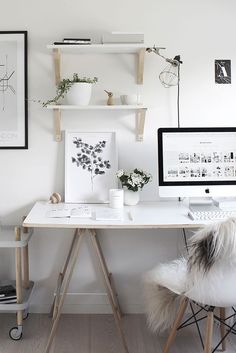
(79, 93)
(131, 198)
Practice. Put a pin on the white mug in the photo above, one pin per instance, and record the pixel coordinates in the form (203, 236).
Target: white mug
(116, 198)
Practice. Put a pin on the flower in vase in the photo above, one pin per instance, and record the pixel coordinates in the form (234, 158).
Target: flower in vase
(134, 180)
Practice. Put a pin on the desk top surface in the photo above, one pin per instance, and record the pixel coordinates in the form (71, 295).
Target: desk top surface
(163, 214)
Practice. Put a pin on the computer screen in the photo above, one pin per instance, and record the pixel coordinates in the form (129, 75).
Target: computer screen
(197, 162)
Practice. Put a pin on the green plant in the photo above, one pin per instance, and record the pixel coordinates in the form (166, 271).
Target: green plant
(64, 86)
(134, 180)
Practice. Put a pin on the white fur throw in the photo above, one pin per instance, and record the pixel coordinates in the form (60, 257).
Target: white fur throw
(212, 255)
(161, 300)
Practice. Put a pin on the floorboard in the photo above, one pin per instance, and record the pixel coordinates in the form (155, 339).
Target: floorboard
(96, 334)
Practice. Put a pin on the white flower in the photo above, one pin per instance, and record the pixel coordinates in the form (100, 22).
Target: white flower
(120, 173)
(136, 178)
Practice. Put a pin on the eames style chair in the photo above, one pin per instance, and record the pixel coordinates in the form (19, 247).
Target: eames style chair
(204, 281)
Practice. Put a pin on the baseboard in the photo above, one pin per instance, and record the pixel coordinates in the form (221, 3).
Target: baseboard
(87, 309)
(87, 303)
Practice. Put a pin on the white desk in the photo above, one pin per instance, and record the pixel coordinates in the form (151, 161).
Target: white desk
(143, 216)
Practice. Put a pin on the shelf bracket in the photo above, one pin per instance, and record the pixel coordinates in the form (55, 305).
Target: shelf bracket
(141, 55)
(57, 124)
(57, 64)
(140, 123)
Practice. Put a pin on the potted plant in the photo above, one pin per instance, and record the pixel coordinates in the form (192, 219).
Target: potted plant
(132, 182)
(77, 90)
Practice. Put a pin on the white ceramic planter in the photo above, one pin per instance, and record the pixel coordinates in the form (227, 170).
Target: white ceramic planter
(79, 93)
(131, 198)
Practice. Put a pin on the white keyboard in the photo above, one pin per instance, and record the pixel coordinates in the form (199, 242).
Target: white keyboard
(211, 215)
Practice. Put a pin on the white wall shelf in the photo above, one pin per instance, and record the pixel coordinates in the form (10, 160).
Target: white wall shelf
(96, 107)
(139, 109)
(136, 49)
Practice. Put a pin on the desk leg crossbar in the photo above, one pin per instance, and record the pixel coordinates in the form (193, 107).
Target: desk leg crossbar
(65, 277)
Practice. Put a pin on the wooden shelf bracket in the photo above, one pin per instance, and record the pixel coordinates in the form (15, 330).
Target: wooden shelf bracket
(141, 56)
(57, 124)
(140, 123)
(57, 64)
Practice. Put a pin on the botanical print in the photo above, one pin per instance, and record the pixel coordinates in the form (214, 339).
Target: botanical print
(90, 166)
(88, 158)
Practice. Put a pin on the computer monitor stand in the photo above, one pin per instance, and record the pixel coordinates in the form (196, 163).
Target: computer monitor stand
(202, 204)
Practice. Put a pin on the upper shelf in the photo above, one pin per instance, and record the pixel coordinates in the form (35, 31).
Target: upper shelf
(96, 107)
(137, 49)
(100, 48)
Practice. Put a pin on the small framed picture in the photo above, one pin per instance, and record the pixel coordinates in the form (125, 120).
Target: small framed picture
(91, 164)
(13, 90)
(223, 71)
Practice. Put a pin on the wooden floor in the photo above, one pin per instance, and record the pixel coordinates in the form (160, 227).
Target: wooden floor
(94, 334)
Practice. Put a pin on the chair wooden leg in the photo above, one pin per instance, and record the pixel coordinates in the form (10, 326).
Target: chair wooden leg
(209, 331)
(222, 329)
(176, 324)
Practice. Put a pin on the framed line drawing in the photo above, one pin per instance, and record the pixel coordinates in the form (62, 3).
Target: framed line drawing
(13, 90)
(91, 164)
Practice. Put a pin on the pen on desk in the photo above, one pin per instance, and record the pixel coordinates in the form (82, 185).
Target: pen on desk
(130, 216)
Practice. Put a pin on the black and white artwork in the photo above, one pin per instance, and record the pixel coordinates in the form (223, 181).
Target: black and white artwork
(223, 71)
(13, 90)
(90, 166)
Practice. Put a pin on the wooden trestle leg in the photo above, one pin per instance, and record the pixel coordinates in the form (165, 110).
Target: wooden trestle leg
(111, 295)
(54, 307)
(67, 277)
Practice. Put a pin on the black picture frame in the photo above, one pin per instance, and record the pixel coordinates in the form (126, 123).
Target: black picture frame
(223, 71)
(13, 90)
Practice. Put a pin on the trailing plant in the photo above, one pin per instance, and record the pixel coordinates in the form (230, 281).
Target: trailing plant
(64, 86)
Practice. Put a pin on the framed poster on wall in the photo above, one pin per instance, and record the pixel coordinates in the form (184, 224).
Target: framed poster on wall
(90, 166)
(13, 90)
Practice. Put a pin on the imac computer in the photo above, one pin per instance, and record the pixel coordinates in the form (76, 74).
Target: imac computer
(197, 162)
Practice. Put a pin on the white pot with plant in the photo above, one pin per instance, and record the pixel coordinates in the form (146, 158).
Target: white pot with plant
(77, 90)
(132, 183)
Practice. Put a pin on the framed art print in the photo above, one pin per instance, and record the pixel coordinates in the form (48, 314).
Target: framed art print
(90, 166)
(223, 71)
(13, 90)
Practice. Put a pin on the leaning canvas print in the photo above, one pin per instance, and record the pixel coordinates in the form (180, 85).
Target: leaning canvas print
(90, 166)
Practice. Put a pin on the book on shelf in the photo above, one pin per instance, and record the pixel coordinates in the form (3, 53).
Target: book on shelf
(77, 40)
(7, 290)
(8, 297)
(69, 43)
(7, 294)
(8, 301)
(123, 37)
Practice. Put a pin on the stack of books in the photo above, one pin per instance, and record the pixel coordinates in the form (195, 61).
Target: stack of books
(123, 38)
(7, 294)
(74, 41)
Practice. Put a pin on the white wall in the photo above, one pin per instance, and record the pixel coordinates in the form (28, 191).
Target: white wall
(200, 32)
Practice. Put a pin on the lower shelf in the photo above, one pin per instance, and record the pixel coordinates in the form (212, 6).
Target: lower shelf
(139, 109)
(26, 294)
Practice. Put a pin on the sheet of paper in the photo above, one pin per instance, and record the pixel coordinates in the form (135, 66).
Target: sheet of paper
(109, 214)
(58, 213)
(81, 212)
